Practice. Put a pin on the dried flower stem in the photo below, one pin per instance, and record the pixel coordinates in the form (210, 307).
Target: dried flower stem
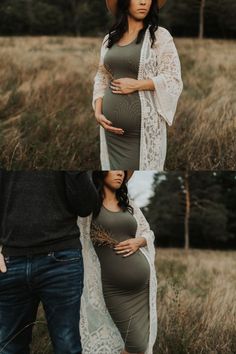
(100, 236)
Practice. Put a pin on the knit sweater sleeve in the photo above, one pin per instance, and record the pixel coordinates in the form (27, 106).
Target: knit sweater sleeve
(81, 193)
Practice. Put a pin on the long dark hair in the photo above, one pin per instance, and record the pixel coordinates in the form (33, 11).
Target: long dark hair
(121, 23)
(121, 193)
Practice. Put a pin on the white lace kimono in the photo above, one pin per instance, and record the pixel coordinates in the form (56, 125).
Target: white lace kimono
(99, 334)
(161, 64)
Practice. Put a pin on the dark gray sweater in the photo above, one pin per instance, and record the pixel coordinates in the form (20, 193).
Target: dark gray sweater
(39, 209)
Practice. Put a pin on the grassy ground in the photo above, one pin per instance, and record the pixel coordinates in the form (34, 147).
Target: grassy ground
(196, 304)
(46, 118)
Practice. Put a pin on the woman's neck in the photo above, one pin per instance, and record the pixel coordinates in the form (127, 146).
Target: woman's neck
(109, 195)
(134, 26)
(110, 200)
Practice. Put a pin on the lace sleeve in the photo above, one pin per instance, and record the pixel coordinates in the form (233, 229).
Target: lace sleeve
(146, 232)
(168, 82)
(102, 76)
(99, 335)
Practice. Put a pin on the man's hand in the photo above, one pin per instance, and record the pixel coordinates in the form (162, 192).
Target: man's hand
(3, 268)
(107, 124)
(124, 85)
(130, 246)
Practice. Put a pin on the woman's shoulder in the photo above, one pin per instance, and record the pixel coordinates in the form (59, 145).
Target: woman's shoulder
(133, 204)
(162, 33)
(105, 38)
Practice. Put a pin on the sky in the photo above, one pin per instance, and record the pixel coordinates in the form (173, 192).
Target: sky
(140, 187)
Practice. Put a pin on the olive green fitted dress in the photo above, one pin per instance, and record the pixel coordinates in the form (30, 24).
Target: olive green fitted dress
(125, 281)
(123, 110)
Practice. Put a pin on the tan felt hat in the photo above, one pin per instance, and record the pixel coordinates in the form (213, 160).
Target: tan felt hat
(111, 5)
(129, 175)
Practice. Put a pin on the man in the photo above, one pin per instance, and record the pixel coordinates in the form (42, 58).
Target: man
(41, 258)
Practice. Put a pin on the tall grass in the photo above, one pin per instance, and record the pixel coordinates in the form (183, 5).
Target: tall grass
(203, 136)
(196, 304)
(46, 118)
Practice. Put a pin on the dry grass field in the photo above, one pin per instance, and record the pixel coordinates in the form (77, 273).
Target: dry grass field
(196, 304)
(47, 121)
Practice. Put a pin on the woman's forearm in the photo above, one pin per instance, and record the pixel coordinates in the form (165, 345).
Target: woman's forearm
(145, 85)
(98, 106)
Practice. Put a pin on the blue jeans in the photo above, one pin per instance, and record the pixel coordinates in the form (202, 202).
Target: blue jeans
(56, 280)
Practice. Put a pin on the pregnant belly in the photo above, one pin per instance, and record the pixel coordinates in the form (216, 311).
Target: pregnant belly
(123, 110)
(125, 273)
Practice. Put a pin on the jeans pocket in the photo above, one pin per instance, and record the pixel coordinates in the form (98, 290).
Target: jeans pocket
(67, 255)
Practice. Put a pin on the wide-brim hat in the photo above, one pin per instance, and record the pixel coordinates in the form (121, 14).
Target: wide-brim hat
(129, 175)
(112, 4)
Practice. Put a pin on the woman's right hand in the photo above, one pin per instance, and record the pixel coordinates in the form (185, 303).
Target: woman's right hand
(3, 268)
(107, 124)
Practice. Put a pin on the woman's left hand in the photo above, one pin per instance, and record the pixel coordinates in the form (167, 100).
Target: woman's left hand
(124, 85)
(130, 246)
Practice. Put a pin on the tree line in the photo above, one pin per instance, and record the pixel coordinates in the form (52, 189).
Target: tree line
(193, 209)
(193, 18)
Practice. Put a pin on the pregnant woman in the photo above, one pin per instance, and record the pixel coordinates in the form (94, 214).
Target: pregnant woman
(118, 309)
(136, 87)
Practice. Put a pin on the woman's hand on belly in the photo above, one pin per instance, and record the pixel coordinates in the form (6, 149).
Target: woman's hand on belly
(128, 85)
(130, 246)
(107, 124)
(124, 85)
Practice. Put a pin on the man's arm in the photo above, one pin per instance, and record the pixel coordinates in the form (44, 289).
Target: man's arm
(81, 192)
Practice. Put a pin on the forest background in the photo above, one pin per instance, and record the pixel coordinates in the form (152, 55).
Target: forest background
(187, 18)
